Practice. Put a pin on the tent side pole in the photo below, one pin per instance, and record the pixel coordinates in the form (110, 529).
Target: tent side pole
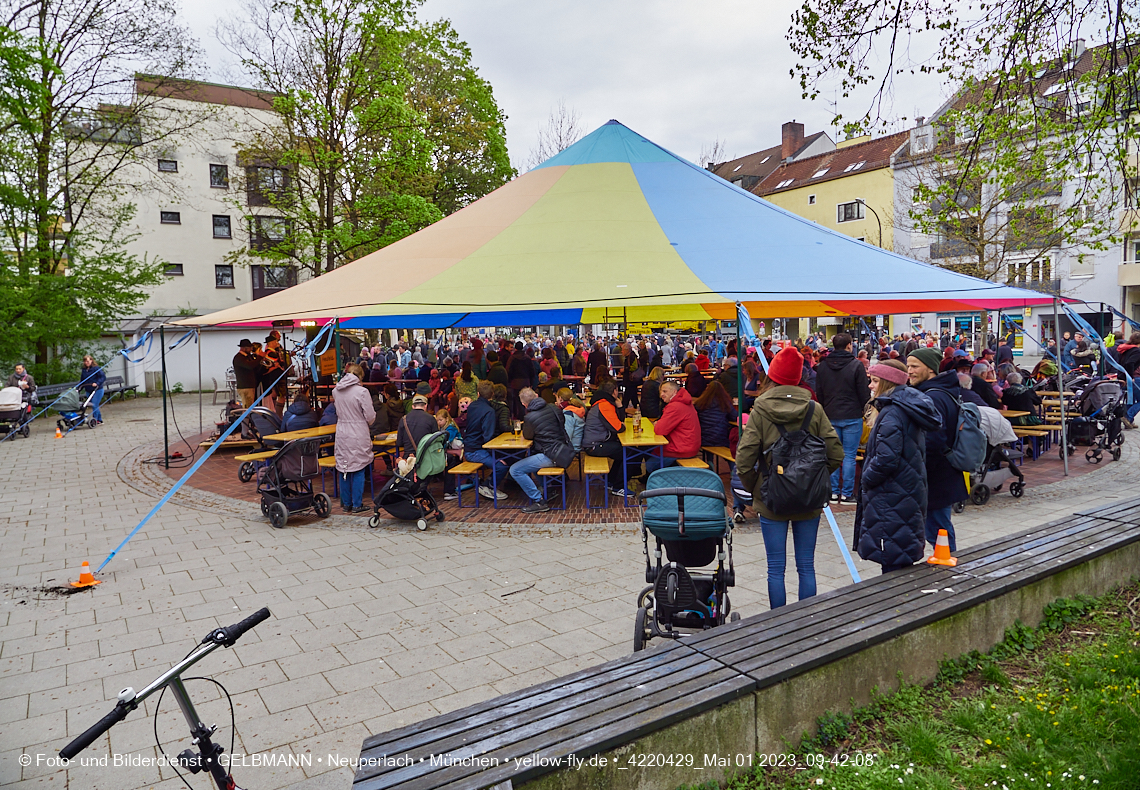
(198, 342)
(165, 426)
(1061, 388)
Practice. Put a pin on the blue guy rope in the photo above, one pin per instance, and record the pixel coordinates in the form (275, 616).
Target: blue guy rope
(197, 465)
(842, 544)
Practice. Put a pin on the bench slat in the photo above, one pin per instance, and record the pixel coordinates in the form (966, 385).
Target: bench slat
(692, 463)
(465, 468)
(597, 465)
(551, 471)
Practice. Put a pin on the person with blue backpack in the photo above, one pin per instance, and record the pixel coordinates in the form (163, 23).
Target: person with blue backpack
(945, 485)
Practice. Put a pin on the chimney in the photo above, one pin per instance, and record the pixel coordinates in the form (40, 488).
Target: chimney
(1078, 49)
(920, 120)
(791, 139)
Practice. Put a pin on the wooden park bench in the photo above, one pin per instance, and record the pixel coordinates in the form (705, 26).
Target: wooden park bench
(719, 453)
(595, 470)
(553, 474)
(692, 463)
(49, 392)
(467, 470)
(115, 385)
(757, 685)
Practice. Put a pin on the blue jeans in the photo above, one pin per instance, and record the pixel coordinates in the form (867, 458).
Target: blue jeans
(352, 487)
(1134, 409)
(850, 432)
(653, 463)
(936, 520)
(776, 547)
(522, 470)
(95, 399)
(484, 457)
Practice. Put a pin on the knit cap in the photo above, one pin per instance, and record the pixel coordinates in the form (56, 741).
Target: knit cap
(927, 356)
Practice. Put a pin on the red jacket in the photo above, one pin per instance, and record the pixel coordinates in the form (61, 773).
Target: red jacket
(681, 426)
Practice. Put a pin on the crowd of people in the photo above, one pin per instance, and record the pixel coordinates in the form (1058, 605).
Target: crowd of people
(898, 398)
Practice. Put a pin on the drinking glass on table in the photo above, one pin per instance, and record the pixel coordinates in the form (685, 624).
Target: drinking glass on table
(518, 428)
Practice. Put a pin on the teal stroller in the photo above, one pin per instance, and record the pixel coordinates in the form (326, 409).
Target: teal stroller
(686, 511)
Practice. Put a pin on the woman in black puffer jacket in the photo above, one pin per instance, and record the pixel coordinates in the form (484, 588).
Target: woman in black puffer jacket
(891, 520)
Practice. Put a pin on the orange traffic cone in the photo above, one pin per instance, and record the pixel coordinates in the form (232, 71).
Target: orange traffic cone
(942, 551)
(58, 433)
(86, 578)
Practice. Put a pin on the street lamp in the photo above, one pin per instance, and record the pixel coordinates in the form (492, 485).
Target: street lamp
(877, 220)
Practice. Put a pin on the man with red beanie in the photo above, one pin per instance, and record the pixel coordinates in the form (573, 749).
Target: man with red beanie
(786, 406)
(679, 424)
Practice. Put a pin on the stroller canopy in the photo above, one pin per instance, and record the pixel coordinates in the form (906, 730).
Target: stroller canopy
(705, 516)
(431, 455)
(11, 398)
(70, 400)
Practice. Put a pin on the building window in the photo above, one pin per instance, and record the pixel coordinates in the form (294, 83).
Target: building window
(267, 232)
(167, 165)
(269, 179)
(277, 276)
(861, 238)
(222, 227)
(219, 176)
(849, 212)
(170, 217)
(223, 276)
(173, 270)
(811, 200)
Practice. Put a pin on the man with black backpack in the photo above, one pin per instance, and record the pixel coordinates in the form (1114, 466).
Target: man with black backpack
(785, 457)
(945, 484)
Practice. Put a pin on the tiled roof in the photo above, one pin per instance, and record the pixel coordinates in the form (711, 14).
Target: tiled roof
(759, 164)
(861, 158)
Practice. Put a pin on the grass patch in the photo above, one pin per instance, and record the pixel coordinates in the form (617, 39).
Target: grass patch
(1056, 706)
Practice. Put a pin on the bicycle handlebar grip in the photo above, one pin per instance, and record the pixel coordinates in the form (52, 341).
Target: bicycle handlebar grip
(86, 739)
(234, 632)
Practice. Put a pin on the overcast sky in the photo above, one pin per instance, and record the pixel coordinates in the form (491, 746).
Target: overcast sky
(678, 72)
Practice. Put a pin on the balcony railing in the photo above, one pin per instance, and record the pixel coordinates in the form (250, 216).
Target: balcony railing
(1044, 286)
(951, 248)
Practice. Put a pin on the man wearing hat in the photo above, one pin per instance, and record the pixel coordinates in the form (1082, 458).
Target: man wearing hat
(246, 369)
(414, 426)
(945, 484)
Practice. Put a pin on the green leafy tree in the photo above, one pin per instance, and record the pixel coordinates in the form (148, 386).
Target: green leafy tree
(1035, 152)
(73, 127)
(385, 127)
(461, 119)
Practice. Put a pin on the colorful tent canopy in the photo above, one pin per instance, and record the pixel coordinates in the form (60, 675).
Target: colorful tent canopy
(617, 225)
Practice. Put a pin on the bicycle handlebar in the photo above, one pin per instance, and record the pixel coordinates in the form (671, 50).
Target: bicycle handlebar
(230, 634)
(226, 636)
(86, 739)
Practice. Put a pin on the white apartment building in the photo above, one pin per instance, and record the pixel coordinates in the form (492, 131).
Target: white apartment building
(193, 196)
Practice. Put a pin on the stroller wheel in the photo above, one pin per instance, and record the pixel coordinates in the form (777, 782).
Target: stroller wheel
(645, 598)
(640, 634)
(322, 505)
(980, 494)
(278, 514)
(245, 472)
(421, 524)
(1115, 451)
(1017, 489)
(439, 516)
(732, 618)
(264, 509)
(958, 507)
(1092, 455)
(374, 522)
(26, 431)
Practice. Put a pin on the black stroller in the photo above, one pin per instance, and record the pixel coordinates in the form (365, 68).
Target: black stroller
(406, 497)
(686, 510)
(1099, 421)
(262, 422)
(74, 411)
(286, 483)
(15, 412)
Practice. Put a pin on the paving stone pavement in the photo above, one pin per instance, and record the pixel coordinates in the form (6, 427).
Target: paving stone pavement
(371, 629)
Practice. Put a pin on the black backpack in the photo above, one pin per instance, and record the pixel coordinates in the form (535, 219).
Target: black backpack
(796, 478)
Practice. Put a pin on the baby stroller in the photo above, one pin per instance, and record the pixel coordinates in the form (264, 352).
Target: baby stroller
(15, 412)
(262, 422)
(406, 497)
(286, 483)
(73, 411)
(998, 467)
(1099, 420)
(686, 510)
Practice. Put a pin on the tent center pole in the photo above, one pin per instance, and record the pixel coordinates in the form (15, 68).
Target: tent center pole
(1061, 388)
